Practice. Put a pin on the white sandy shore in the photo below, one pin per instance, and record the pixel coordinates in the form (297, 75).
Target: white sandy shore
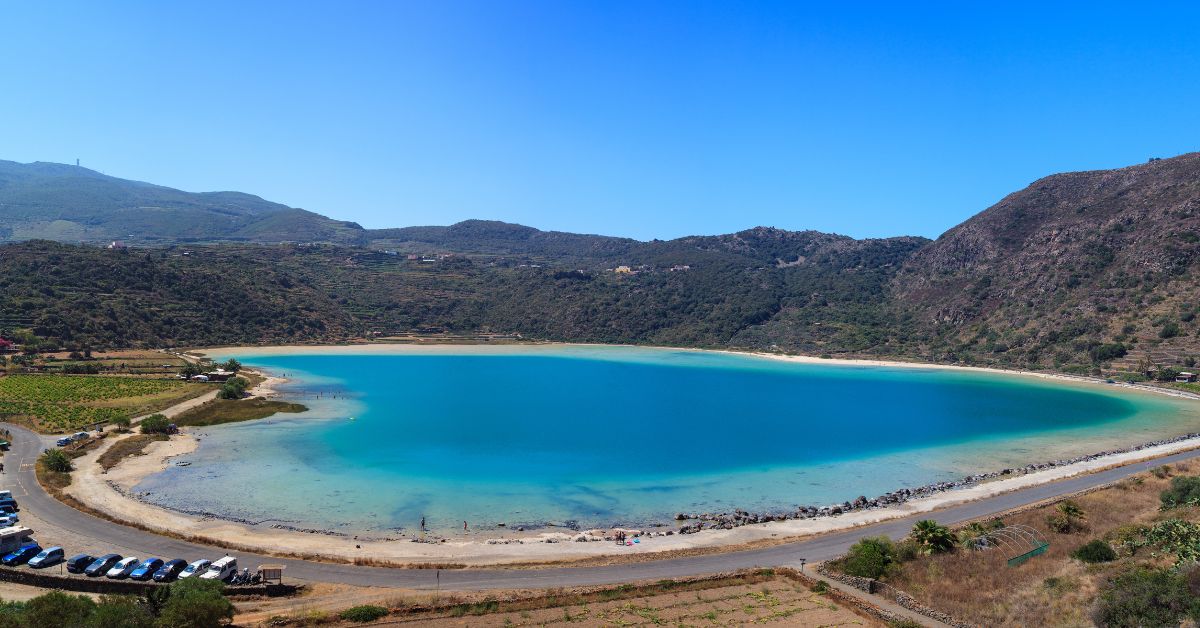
(108, 492)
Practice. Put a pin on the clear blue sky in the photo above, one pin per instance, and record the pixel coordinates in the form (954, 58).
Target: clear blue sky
(643, 119)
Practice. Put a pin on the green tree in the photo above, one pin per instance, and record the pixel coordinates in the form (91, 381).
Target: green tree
(196, 603)
(190, 370)
(870, 557)
(122, 422)
(932, 536)
(121, 611)
(231, 365)
(57, 460)
(57, 609)
(155, 424)
(234, 388)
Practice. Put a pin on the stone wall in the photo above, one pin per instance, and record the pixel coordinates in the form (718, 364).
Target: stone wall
(875, 587)
(46, 580)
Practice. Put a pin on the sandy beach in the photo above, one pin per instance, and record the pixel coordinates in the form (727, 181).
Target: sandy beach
(111, 493)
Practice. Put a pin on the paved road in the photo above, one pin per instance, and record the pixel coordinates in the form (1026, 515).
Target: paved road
(19, 476)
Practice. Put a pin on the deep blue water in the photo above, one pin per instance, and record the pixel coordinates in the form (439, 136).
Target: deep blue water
(618, 434)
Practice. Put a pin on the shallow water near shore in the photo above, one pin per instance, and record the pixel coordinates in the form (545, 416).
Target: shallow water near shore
(621, 435)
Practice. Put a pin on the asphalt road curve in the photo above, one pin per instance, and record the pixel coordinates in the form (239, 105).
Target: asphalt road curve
(27, 446)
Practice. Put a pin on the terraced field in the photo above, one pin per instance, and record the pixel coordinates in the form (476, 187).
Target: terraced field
(63, 403)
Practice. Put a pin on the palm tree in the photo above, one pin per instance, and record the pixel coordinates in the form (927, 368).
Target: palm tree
(932, 536)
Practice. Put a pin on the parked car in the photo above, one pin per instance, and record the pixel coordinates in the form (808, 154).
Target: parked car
(196, 568)
(21, 555)
(146, 570)
(123, 567)
(9, 503)
(170, 570)
(79, 562)
(222, 569)
(63, 442)
(47, 557)
(79, 436)
(8, 509)
(101, 565)
(7, 521)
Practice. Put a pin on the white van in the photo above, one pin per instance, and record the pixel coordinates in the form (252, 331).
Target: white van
(223, 569)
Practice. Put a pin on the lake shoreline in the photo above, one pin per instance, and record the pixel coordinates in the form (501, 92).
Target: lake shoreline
(378, 348)
(497, 545)
(114, 494)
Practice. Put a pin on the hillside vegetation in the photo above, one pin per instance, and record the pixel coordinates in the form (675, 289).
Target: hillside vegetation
(1083, 272)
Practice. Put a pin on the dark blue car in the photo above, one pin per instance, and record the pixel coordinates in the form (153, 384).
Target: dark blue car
(170, 570)
(146, 569)
(22, 555)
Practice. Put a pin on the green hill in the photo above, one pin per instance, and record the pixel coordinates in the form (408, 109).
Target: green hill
(1084, 272)
(73, 204)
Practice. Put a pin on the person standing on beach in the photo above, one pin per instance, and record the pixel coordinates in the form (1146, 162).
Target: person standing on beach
(464, 526)
(422, 524)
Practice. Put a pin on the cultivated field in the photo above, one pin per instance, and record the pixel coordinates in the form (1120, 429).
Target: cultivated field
(761, 598)
(62, 403)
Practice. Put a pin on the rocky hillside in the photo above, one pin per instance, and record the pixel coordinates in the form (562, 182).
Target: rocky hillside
(1074, 270)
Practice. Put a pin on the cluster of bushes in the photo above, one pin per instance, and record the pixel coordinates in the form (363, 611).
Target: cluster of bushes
(189, 603)
(156, 424)
(233, 388)
(1184, 491)
(874, 557)
(1149, 596)
(56, 460)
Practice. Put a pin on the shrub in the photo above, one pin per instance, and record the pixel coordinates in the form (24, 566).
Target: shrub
(1184, 491)
(1161, 472)
(57, 609)
(195, 603)
(364, 613)
(1169, 330)
(1146, 597)
(57, 460)
(1096, 551)
(870, 557)
(155, 424)
(234, 388)
(1058, 523)
(820, 587)
(932, 537)
(121, 611)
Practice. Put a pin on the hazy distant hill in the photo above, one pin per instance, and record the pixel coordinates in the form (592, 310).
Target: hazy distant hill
(73, 204)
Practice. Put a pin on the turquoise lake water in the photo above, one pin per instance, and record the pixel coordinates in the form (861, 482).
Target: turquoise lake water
(603, 435)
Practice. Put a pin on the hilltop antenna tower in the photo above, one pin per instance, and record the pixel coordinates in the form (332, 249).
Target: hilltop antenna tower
(76, 162)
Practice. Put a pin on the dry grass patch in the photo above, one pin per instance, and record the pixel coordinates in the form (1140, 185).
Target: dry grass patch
(220, 411)
(130, 446)
(1048, 590)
